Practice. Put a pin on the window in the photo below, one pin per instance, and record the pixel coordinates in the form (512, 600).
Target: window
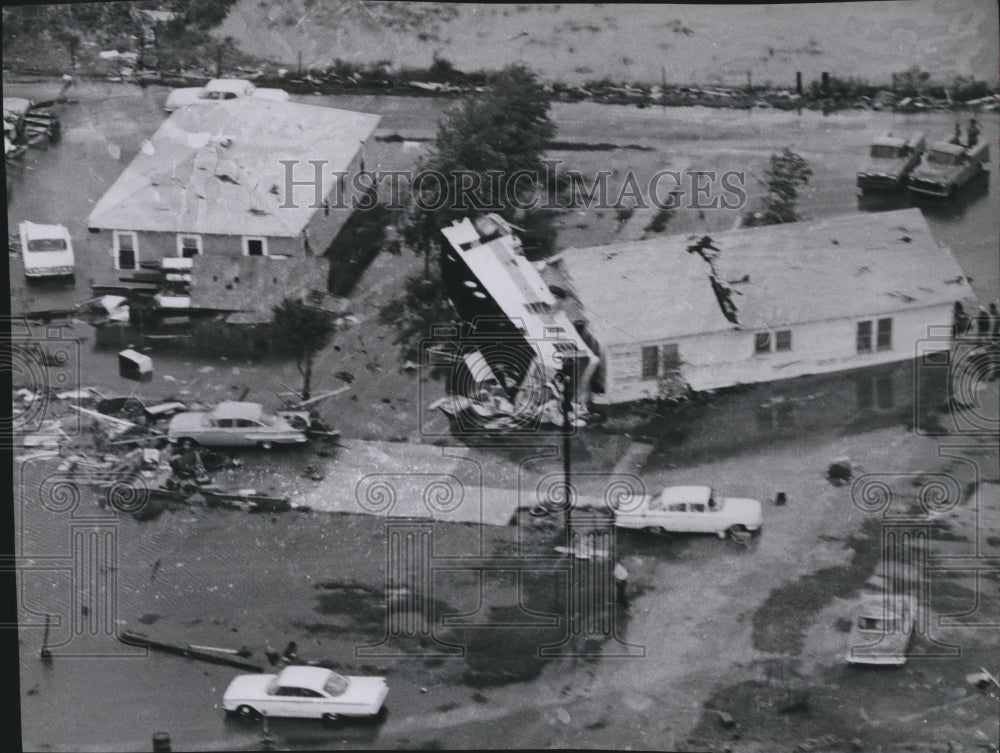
(884, 339)
(254, 246)
(670, 357)
(188, 245)
(660, 360)
(762, 342)
(676, 507)
(783, 340)
(864, 337)
(696, 507)
(224, 423)
(126, 250)
(650, 362)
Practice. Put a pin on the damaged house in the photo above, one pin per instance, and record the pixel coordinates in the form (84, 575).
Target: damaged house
(520, 342)
(760, 305)
(213, 181)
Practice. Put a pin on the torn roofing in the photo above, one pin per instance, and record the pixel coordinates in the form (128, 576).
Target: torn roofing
(780, 275)
(217, 169)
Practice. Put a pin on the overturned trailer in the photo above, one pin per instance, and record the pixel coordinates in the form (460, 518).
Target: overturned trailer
(518, 349)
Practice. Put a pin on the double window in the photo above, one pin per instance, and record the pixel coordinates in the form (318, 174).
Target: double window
(766, 342)
(882, 330)
(660, 360)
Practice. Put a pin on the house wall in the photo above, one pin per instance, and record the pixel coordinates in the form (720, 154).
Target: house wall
(324, 225)
(153, 246)
(725, 359)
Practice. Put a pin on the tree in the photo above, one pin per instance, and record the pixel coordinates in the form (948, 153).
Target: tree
(785, 175)
(306, 331)
(502, 132)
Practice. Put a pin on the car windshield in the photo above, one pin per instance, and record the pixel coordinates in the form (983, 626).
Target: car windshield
(47, 244)
(268, 420)
(942, 158)
(885, 152)
(336, 684)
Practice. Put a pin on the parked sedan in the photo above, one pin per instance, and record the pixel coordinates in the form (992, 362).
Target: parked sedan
(311, 692)
(233, 424)
(693, 509)
(882, 631)
(221, 89)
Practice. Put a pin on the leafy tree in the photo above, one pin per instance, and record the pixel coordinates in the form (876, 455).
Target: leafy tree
(504, 132)
(786, 173)
(306, 330)
(501, 133)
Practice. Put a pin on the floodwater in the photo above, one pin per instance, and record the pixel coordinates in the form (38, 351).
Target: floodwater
(71, 703)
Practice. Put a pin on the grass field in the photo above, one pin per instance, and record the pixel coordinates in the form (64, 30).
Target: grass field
(640, 43)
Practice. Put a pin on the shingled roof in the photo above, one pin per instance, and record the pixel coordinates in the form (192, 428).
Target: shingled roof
(851, 266)
(217, 169)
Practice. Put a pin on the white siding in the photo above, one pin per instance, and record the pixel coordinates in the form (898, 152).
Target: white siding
(724, 359)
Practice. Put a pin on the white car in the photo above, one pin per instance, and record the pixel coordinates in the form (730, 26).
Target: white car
(692, 509)
(311, 692)
(233, 424)
(882, 631)
(47, 250)
(220, 89)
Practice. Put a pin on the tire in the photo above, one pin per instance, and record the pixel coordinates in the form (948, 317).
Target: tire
(186, 443)
(248, 712)
(330, 718)
(265, 445)
(659, 530)
(736, 529)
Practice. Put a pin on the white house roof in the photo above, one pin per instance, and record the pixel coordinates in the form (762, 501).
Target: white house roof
(852, 266)
(218, 169)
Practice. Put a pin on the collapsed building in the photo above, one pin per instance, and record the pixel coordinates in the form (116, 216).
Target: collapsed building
(660, 318)
(519, 348)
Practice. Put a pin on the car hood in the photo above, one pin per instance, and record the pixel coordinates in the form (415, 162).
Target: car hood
(928, 171)
(883, 166)
(749, 509)
(187, 421)
(271, 95)
(248, 686)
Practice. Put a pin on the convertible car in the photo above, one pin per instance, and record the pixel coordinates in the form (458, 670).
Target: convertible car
(303, 691)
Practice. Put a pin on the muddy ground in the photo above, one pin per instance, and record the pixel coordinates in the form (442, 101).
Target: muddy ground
(723, 627)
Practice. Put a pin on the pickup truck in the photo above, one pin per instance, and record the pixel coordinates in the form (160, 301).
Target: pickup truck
(221, 89)
(947, 167)
(891, 159)
(47, 250)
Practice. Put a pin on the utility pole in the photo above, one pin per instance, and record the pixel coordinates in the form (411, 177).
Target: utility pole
(567, 407)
